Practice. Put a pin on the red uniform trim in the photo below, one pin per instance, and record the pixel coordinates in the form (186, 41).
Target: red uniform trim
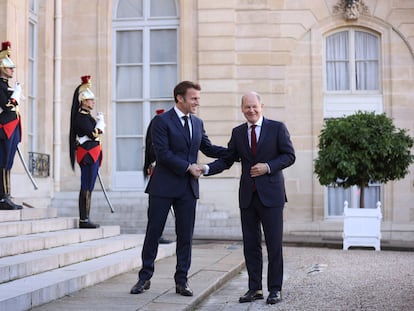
(10, 127)
(95, 152)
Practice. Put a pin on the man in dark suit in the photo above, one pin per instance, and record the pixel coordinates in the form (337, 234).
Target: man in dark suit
(264, 148)
(177, 137)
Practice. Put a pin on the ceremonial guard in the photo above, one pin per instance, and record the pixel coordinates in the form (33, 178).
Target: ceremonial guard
(85, 146)
(10, 127)
(149, 162)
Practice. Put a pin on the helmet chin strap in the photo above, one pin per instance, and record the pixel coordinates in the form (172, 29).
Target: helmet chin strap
(87, 107)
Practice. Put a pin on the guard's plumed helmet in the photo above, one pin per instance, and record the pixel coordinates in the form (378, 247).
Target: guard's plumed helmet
(5, 60)
(84, 90)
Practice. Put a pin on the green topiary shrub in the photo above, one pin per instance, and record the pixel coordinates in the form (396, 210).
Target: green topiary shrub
(360, 148)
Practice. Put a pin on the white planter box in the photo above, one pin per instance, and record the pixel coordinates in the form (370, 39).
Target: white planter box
(362, 227)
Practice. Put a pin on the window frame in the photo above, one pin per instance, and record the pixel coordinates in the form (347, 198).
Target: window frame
(133, 180)
(340, 103)
(353, 201)
(352, 62)
(32, 95)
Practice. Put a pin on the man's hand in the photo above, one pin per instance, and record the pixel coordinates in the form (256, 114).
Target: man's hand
(202, 168)
(258, 169)
(196, 170)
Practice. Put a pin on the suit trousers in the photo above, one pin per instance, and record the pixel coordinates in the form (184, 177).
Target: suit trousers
(184, 211)
(271, 219)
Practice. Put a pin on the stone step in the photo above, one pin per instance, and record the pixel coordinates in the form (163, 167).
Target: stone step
(21, 227)
(44, 257)
(35, 290)
(131, 210)
(28, 214)
(23, 265)
(33, 242)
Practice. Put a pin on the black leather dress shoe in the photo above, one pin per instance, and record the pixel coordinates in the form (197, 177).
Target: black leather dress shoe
(251, 295)
(183, 290)
(275, 296)
(140, 286)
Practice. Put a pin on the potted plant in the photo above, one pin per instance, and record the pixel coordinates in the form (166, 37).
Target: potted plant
(362, 148)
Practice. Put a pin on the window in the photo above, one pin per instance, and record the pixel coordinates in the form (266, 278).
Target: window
(145, 73)
(352, 73)
(338, 195)
(352, 62)
(32, 74)
(352, 82)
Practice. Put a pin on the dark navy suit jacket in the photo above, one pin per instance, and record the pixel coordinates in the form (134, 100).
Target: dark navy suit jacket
(274, 148)
(174, 152)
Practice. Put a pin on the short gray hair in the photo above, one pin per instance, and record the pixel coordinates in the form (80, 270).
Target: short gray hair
(251, 93)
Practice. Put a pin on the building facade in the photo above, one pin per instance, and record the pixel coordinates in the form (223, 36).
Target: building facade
(309, 60)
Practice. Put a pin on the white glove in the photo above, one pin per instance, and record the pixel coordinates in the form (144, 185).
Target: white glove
(100, 124)
(17, 93)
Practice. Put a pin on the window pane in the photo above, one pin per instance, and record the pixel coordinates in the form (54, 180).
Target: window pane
(129, 119)
(367, 75)
(366, 61)
(337, 76)
(132, 159)
(336, 198)
(129, 47)
(163, 79)
(129, 82)
(371, 196)
(163, 45)
(366, 46)
(166, 105)
(129, 8)
(337, 46)
(163, 8)
(337, 62)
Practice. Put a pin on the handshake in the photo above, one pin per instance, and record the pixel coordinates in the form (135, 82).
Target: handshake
(197, 170)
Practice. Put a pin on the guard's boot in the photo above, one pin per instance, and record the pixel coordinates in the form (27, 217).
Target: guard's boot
(84, 209)
(5, 201)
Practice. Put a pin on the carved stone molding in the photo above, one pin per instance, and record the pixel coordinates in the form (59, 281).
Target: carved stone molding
(350, 9)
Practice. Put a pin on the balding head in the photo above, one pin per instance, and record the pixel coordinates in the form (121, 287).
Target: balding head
(251, 95)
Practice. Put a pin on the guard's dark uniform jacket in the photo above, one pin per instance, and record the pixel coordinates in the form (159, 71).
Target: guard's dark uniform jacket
(10, 136)
(89, 149)
(9, 116)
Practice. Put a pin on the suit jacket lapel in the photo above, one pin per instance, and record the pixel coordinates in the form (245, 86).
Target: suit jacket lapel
(195, 126)
(263, 133)
(176, 120)
(245, 133)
